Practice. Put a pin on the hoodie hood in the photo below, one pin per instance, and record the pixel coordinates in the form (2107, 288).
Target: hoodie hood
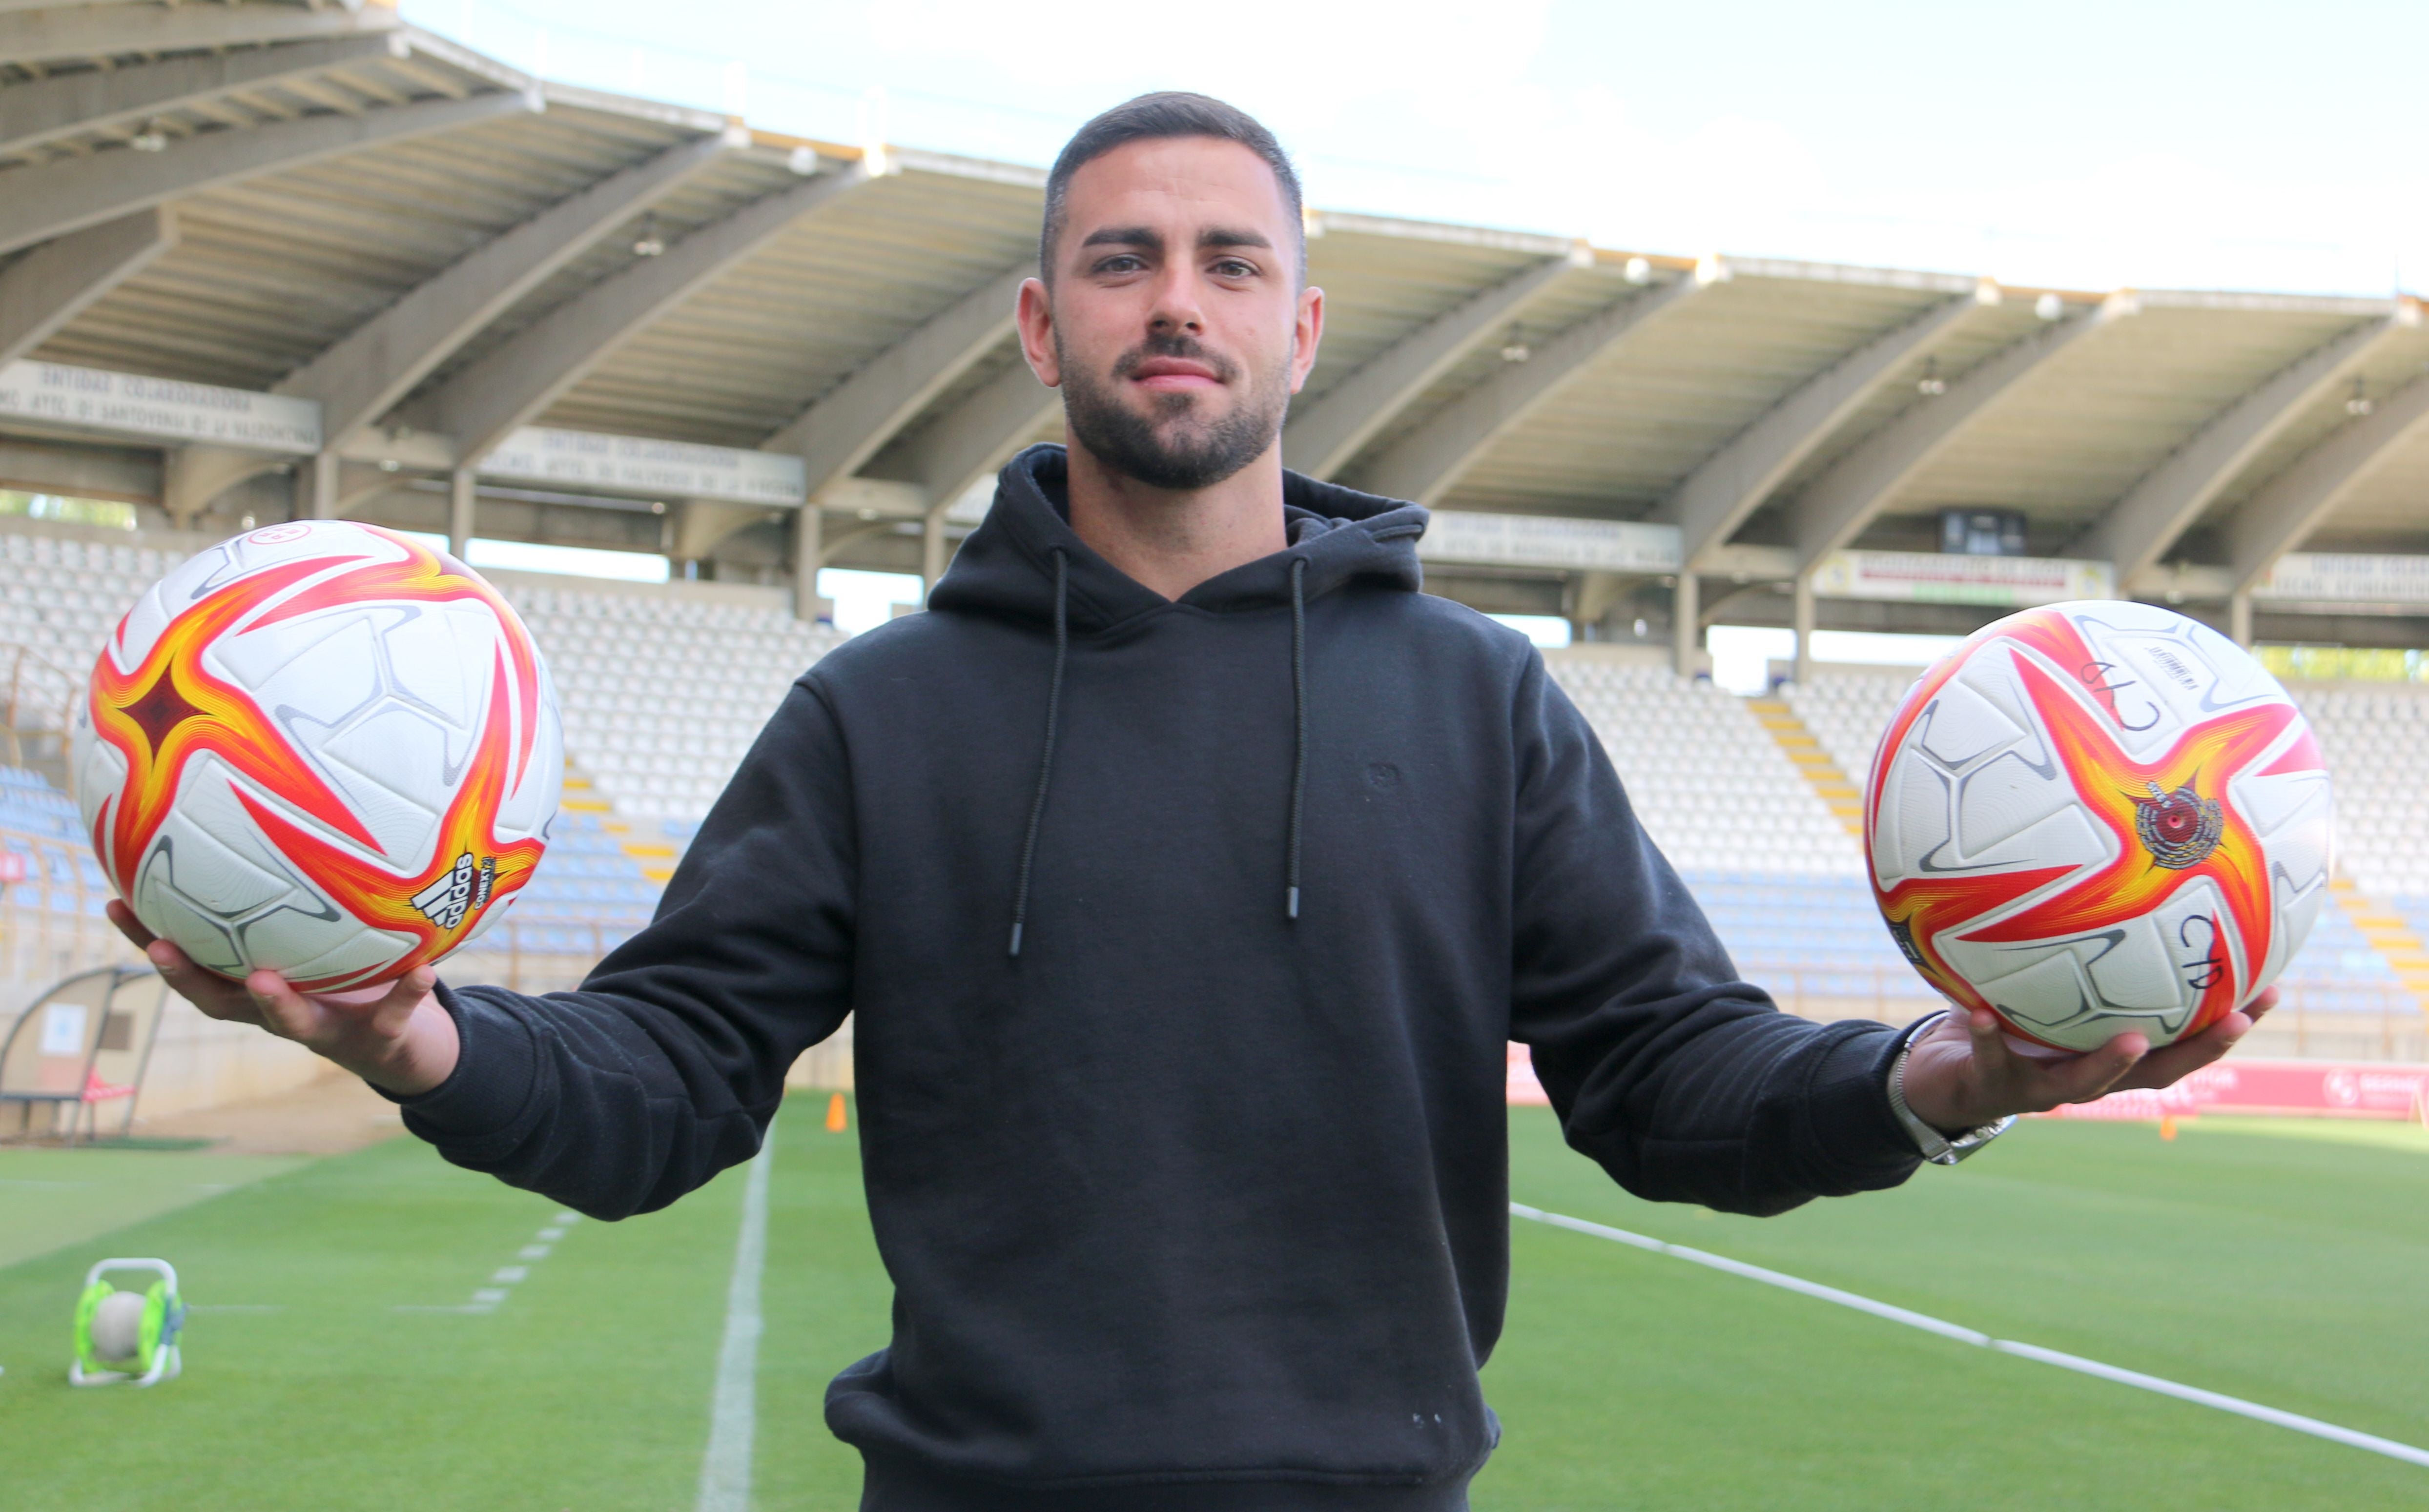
(1006, 566)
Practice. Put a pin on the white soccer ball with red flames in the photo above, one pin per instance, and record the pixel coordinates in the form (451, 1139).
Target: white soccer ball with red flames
(320, 748)
(2095, 817)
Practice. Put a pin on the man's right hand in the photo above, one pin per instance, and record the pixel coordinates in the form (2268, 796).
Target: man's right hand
(396, 1037)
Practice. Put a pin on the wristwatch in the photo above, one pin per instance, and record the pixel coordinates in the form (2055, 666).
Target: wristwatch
(1936, 1147)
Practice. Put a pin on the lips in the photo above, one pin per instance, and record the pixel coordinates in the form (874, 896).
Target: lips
(1174, 374)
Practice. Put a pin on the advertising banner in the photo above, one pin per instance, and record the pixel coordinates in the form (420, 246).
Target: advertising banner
(2319, 1089)
(1525, 1090)
(2311, 1089)
(161, 409)
(1930, 577)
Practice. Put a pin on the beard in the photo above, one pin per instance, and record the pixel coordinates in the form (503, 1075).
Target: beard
(1171, 448)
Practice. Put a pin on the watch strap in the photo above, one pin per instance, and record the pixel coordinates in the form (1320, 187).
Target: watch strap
(1935, 1147)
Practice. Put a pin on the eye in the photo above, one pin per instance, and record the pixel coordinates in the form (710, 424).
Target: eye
(1121, 262)
(1235, 267)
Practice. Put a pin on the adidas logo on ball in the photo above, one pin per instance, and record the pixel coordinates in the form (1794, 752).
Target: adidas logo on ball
(462, 887)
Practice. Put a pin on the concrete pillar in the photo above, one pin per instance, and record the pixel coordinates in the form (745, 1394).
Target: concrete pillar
(931, 551)
(2238, 618)
(1686, 632)
(318, 478)
(1804, 626)
(460, 502)
(808, 546)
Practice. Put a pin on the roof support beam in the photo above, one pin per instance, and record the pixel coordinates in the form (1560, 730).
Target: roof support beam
(74, 32)
(1429, 462)
(1713, 501)
(43, 111)
(2137, 530)
(51, 285)
(37, 203)
(1835, 507)
(1321, 437)
(513, 385)
(980, 435)
(2291, 506)
(192, 476)
(371, 370)
(860, 415)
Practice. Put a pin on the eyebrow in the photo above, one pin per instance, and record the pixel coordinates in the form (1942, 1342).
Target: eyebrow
(1139, 235)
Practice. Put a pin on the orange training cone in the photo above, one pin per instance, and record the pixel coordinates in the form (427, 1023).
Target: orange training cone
(837, 1121)
(2167, 1125)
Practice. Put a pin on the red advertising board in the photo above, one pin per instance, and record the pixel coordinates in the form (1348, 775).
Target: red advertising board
(1525, 1090)
(2310, 1089)
(2313, 1088)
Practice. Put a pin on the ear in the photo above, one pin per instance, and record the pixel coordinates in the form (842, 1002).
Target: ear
(1307, 332)
(1034, 313)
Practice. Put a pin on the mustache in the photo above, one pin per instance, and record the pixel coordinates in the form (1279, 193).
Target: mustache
(1186, 348)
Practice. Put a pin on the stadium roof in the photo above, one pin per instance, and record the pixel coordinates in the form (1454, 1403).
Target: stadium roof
(318, 202)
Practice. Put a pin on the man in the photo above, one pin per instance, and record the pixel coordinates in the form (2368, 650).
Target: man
(1188, 871)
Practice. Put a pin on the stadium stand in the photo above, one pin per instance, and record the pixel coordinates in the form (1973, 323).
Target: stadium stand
(664, 686)
(531, 312)
(663, 692)
(1773, 867)
(1707, 780)
(2376, 740)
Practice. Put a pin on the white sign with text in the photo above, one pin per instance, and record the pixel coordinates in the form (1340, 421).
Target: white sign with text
(1932, 577)
(2323, 577)
(1549, 541)
(161, 409)
(639, 465)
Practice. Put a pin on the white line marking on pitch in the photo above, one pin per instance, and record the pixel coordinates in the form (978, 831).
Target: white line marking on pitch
(2295, 1420)
(725, 1471)
(489, 1298)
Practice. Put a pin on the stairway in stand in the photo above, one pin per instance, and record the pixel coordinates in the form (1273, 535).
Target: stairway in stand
(644, 841)
(1804, 750)
(2390, 936)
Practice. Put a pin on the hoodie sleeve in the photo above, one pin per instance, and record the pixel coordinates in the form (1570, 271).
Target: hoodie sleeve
(1684, 1083)
(663, 1068)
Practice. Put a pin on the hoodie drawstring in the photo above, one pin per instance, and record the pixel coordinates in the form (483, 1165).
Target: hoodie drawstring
(1054, 720)
(1299, 709)
(1045, 762)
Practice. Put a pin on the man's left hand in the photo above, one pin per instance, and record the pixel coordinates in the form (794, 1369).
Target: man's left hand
(1962, 1072)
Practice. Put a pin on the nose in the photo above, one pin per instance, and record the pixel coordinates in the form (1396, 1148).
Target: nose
(1176, 310)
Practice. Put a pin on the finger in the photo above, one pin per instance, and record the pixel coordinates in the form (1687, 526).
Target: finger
(1993, 1056)
(2258, 1007)
(217, 996)
(284, 1010)
(2165, 1067)
(2092, 1074)
(391, 1013)
(128, 925)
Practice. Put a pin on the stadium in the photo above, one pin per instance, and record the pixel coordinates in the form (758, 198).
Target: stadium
(664, 376)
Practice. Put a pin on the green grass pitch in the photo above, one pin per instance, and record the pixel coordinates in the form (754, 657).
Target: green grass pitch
(2280, 1263)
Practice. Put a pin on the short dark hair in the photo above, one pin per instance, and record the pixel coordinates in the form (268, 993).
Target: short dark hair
(1165, 113)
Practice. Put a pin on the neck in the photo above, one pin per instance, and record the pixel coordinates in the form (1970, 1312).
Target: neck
(1171, 540)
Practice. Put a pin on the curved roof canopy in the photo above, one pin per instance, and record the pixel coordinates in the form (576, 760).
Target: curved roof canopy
(323, 204)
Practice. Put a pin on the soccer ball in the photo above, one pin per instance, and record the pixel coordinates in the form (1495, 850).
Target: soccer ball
(2096, 818)
(320, 749)
(118, 1328)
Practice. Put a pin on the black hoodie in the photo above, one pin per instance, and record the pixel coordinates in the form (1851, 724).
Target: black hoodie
(1192, 1183)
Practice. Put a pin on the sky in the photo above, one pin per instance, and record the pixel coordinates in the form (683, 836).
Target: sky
(2067, 145)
